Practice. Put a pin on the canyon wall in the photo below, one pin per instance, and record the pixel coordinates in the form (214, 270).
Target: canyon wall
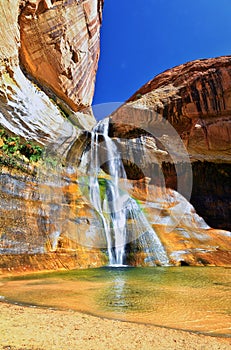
(173, 135)
(49, 53)
(194, 98)
(46, 221)
(60, 47)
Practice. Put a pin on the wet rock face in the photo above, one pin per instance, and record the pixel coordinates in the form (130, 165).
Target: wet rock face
(60, 46)
(194, 98)
(210, 191)
(186, 237)
(45, 222)
(49, 53)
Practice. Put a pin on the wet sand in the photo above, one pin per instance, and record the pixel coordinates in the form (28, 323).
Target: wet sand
(44, 329)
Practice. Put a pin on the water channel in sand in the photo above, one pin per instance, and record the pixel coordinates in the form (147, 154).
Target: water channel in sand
(188, 298)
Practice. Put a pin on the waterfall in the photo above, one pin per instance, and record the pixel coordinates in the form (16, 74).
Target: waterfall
(122, 219)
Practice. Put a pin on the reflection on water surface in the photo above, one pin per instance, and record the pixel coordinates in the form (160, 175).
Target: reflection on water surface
(190, 298)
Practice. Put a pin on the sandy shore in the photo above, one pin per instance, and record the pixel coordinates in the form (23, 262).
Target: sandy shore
(41, 329)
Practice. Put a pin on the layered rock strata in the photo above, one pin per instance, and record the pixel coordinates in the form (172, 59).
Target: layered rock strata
(46, 222)
(173, 136)
(49, 52)
(57, 44)
(60, 47)
(187, 239)
(194, 99)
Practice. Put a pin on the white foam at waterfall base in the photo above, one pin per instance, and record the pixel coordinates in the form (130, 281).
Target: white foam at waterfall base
(114, 205)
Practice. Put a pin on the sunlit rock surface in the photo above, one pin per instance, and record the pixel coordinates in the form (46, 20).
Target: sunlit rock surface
(195, 99)
(47, 214)
(60, 46)
(49, 53)
(57, 44)
(48, 222)
(187, 238)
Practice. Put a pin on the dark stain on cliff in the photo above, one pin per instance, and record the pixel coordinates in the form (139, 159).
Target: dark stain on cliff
(211, 195)
(211, 192)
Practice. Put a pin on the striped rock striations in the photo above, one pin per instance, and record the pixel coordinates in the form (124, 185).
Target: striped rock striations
(60, 47)
(44, 222)
(53, 45)
(194, 98)
(176, 125)
(49, 52)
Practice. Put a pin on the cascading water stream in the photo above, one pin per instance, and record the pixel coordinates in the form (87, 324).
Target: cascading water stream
(115, 206)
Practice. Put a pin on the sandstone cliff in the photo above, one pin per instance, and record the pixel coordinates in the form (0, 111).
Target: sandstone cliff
(195, 99)
(173, 135)
(60, 46)
(49, 53)
(53, 45)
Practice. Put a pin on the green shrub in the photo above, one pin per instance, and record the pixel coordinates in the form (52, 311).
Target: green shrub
(13, 146)
(31, 151)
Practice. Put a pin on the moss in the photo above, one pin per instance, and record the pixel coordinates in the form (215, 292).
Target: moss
(102, 188)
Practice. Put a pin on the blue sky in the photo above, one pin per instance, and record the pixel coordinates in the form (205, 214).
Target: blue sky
(142, 38)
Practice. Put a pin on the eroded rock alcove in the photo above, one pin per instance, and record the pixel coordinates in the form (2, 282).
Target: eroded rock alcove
(49, 52)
